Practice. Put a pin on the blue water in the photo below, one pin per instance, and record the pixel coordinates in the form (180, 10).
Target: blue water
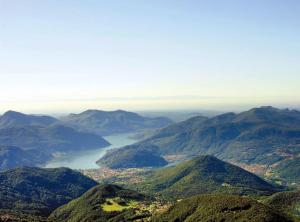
(87, 159)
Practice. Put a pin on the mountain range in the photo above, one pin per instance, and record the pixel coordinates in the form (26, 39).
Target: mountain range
(113, 122)
(17, 119)
(32, 194)
(32, 140)
(38, 144)
(204, 186)
(264, 135)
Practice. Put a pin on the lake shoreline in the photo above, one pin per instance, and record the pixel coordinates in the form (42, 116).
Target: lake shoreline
(87, 159)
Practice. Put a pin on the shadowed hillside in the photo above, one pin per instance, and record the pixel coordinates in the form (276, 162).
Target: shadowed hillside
(12, 157)
(14, 119)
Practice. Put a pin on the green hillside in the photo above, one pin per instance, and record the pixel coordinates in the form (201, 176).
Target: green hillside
(288, 202)
(39, 191)
(204, 174)
(220, 207)
(262, 135)
(133, 158)
(101, 204)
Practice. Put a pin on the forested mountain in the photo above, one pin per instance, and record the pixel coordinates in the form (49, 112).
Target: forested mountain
(262, 135)
(204, 174)
(113, 122)
(51, 139)
(132, 158)
(39, 191)
(265, 136)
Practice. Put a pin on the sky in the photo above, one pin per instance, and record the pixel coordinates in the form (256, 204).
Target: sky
(63, 55)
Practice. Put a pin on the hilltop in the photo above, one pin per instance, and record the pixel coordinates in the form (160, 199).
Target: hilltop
(14, 119)
(204, 174)
(103, 203)
(132, 158)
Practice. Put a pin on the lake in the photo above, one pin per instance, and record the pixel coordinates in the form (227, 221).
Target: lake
(87, 159)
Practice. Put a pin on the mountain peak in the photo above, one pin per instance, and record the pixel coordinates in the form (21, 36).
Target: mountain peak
(11, 113)
(16, 119)
(265, 108)
(113, 122)
(205, 158)
(205, 174)
(268, 107)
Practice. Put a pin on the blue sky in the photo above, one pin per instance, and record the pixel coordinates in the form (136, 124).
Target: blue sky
(72, 55)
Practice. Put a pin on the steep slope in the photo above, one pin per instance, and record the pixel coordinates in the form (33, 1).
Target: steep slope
(16, 119)
(113, 122)
(204, 174)
(40, 191)
(262, 135)
(50, 139)
(12, 157)
(220, 207)
(102, 203)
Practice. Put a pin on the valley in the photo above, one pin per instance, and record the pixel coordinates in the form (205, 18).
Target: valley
(56, 142)
(235, 164)
(149, 111)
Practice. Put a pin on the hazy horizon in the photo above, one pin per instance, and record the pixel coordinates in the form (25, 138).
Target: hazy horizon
(68, 56)
(154, 112)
